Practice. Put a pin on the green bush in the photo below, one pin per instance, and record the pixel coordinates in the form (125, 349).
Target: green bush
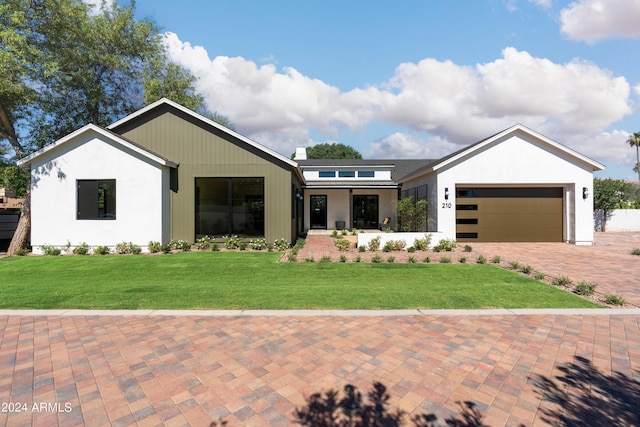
(258, 244)
(468, 248)
(584, 288)
(514, 265)
(128, 248)
(243, 246)
(445, 245)
(526, 269)
(50, 250)
(426, 260)
(481, 259)
(613, 299)
(215, 247)
(561, 281)
(445, 260)
(361, 249)
(496, 259)
(342, 245)
(539, 276)
(635, 251)
(81, 249)
(309, 259)
(391, 259)
(101, 250)
(203, 243)
(358, 258)
(231, 241)
(376, 258)
(325, 258)
(154, 247)
(422, 244)
(292, 256)
(22, 252)
(281, 244)
(343, 258)
(463, 260)
(412, 260)
(181, 245)
(374, 244)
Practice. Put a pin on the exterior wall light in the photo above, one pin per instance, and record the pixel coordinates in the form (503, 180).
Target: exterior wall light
(585, 192)
(446, 193)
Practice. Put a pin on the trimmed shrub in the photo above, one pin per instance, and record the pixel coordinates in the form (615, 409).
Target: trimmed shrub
(481, 259)
(376, 258)
(281, 244)
(258, 244)
(154, 247)
(374, 244)
(445, 260)
(613, 299)
(101, 250)
(231, 242)
(635, 251)
(468, 248)
(584, 288)
(81, 249)
(203, 243)
(496, 259)
(561, 281)
(445, 245)
(342, 244)
(50, 250)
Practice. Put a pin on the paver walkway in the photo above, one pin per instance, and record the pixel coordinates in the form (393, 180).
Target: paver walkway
(128, 370)
(608, 263)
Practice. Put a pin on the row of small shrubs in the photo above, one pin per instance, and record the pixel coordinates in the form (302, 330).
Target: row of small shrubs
(293, 255)
(84, 249)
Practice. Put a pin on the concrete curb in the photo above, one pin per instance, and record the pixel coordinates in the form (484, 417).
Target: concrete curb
(335, 313)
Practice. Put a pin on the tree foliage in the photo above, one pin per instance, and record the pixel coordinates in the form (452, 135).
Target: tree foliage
(610, 194)
(332, 151)
(634, 141)
(412, 214)
(62, 67)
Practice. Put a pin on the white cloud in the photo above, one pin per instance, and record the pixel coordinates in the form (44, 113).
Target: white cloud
(410, 146)
(437, 106)
(593, 20)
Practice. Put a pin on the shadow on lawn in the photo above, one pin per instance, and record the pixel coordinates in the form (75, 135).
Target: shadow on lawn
(583, 395)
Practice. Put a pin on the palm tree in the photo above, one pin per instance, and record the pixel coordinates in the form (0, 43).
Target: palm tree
(634, 141)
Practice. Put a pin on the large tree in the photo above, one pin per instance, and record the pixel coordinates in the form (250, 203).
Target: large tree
(610, 194)
(332, 151)
(634, 141)
(62, 67)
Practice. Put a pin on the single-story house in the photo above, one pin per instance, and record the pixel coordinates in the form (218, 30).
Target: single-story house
(167, 173)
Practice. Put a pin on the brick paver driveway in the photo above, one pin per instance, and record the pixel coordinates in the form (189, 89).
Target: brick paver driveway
(519, 368)
(146, 370)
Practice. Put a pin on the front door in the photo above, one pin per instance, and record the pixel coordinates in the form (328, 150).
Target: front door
(365, 211)
(318, 212)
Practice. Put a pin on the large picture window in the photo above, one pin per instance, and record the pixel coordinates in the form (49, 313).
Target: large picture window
(227, 206)
(96, 199)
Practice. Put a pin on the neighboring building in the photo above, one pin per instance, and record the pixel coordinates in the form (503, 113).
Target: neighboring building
(10, 206)
(165, 172)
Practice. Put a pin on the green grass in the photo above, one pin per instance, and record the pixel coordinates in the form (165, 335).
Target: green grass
(219, 280)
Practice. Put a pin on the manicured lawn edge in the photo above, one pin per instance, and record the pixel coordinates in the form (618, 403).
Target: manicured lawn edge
(255, 280)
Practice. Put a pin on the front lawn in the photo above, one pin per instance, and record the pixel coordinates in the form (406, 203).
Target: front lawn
(231, 280)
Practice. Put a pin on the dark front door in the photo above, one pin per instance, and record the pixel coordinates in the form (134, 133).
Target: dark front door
(318, 212)
(365, 211)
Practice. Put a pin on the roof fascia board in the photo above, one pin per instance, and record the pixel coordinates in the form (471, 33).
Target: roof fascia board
(106, 134)
(203, 119)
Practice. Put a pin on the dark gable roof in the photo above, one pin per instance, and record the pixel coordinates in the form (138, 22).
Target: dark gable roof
(401, 167)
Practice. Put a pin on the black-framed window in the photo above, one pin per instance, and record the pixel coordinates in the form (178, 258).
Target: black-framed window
(96, 199)
(327, 174)
(227, 206)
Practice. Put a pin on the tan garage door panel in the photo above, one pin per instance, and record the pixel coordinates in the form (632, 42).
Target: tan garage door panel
(509, 214)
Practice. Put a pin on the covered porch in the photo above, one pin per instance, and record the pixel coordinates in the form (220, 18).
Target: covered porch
(362, 208)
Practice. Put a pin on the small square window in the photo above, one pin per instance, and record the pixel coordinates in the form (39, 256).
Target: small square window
(96, 199)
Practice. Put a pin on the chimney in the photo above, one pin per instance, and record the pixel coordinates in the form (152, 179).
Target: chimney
(301, 154)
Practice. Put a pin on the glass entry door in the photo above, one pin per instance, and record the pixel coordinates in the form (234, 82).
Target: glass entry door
(318, 214)
(365, 211)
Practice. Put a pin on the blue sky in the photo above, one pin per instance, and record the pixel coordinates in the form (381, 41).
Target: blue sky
(414, 79)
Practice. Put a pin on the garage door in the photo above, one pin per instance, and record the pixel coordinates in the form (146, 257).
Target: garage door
(509, 214)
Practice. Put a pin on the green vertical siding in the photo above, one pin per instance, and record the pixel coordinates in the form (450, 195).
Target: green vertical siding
(203, 151)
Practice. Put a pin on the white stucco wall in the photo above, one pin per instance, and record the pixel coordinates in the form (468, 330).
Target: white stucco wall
(142, 195)
(620, 220)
